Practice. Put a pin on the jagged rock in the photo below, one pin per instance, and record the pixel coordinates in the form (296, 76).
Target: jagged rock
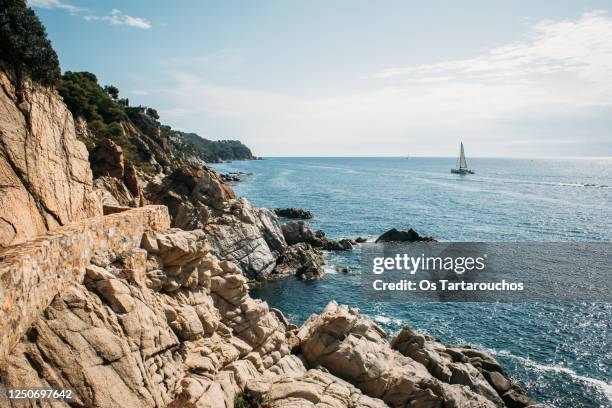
(130, 178)
(393, 235)
(296, 232)
(340, 245)
(450, 368)
(353, 348)
(39, 195)
(116, 180)
(113, 192)
(297, 213)
(198, 198)
(107, 159)
(301, 260)
(124, 339)
(119, 342)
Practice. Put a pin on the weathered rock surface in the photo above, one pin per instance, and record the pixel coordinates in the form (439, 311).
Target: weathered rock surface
(452, 366)
(353, 348)
(198, 198)
(165, 323)
(296, 232)
(107, 160)
(394, 235)
(301, 260)
(296, 213)
(113, 192)
(150, 326)
(45, 179)
(116, 180)
(34, 272)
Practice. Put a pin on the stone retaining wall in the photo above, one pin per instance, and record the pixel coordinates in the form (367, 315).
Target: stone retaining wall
(33, 272)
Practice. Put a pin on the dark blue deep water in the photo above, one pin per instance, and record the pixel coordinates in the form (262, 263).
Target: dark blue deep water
(561, 352)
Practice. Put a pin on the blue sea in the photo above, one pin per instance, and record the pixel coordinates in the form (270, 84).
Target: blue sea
(560, 352)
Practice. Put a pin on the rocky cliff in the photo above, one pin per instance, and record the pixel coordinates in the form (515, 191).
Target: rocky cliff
(45, 178)
(161, 321)
(198, 198)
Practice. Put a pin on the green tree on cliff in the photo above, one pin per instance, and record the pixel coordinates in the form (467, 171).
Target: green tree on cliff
(24, 46)
(112, 91)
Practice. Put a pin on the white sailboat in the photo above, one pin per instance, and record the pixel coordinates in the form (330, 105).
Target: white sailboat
(463, 168)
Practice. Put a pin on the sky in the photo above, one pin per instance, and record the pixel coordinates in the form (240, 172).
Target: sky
(356, 78)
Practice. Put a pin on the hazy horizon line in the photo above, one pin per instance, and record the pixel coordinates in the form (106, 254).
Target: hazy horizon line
(439, 157)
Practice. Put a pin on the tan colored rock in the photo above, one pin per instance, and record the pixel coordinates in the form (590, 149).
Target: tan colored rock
(113, 192)
(198, 198)
(434, 356)
(353, 348)
(45, 179)
(118, 340)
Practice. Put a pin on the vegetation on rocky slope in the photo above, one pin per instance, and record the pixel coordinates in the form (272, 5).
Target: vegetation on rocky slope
(26, 51)
(24, 44)
(137, 129)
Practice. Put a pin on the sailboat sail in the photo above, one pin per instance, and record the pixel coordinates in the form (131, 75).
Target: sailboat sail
(462, 162)
(463, 168)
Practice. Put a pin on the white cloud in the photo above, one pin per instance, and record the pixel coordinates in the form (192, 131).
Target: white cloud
(559, 73)
(117, 18)
(582, 48)
(55, 4)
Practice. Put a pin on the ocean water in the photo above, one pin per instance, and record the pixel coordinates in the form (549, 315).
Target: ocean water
(560, 352)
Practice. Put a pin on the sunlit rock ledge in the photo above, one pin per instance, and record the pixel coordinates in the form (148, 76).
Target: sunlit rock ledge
(33, 272)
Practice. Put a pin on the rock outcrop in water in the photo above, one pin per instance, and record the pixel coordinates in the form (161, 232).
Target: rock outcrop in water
(296, 232)
(301, 260)
(296, 213)
(475, 369)
(394, 235)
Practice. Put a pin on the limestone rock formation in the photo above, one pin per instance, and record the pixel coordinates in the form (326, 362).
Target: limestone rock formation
(45, 179)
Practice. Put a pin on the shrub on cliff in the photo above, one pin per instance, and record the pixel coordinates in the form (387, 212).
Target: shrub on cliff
(24, 45)
(87, 99)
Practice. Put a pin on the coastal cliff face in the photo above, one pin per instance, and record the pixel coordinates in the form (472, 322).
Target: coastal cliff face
(161, 321)
(46, 180)
(197, 197)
